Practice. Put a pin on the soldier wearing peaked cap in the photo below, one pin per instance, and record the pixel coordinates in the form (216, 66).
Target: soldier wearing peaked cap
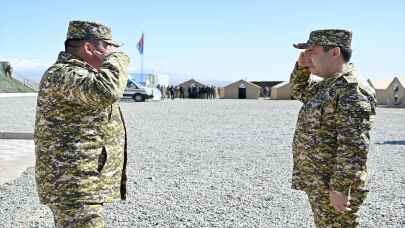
(331, 139)
(80, 138)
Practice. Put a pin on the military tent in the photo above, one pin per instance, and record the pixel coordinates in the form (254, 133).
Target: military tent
(281, 91)
(380, 87)
(396, 93)
(241, 90)
(191, 85)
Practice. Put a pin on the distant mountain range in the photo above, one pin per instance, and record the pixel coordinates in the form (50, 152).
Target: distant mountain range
(33, 75)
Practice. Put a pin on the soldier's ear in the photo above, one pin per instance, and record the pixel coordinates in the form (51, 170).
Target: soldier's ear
(88, 49)
(336, 52)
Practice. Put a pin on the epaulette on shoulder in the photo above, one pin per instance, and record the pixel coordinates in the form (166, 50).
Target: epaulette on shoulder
(56, 67)
(367, 90)
(345, 83)
(350, 79)
(341, 82)
(345, 80)
(74, 63)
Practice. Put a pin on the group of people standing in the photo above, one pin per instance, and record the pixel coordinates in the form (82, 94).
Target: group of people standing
(201, 92)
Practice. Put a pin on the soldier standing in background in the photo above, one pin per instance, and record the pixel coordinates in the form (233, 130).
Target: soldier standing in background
(8, 70)
(168, 92)
(80, 138)
(172, 91)
(332, 138)
(181, 92)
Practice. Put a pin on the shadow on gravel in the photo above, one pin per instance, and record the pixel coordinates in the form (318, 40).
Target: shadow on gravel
(394, 142)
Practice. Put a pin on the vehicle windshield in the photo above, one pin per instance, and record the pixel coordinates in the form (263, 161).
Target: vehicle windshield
(131, 84)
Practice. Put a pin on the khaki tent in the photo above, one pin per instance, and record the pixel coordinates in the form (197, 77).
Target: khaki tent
(190, 84)
(241, 90)
(264, 85)
(396, 93)
(390, 92)
(220, 92)
(380, 87)
(281, 91)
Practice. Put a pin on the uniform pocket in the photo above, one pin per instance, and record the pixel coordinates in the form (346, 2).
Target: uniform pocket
(102, 159)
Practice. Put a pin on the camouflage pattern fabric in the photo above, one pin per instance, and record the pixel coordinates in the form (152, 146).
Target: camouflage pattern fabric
(85, 30)
(78, 216)
(332, 138)
(328, 37)
(79, 133)
(325, 214)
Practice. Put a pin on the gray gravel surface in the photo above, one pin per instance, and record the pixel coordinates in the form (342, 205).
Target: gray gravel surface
(17, 114)
(218, 163)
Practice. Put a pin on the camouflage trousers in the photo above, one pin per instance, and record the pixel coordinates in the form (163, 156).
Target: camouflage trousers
(78, 216)
(325, 214)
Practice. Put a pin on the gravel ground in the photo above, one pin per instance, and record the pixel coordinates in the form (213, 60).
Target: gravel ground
(216, 163)
(17, 114)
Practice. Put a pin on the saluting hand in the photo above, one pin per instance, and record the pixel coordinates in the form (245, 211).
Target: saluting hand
(304, 59)
(340, 201)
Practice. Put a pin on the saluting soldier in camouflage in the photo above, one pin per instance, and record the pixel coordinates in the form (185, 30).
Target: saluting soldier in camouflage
(332, 138)
(80, 138)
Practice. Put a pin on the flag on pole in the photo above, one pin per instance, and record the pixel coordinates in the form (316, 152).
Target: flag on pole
(140, 45)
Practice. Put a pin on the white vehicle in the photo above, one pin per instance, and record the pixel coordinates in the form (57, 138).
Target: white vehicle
(137, 92)
(140, 93)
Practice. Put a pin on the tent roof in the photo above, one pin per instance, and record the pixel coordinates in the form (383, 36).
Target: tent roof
(402, 80)
(246, 82)
(281, 84)
(379, 84)
(191, 81)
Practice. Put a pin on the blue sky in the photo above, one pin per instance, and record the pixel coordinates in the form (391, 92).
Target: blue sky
(223, 40)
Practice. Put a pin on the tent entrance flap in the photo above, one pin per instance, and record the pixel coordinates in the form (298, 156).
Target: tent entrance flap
(242, 93)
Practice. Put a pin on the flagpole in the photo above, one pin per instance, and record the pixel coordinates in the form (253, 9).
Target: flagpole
(140, 49)
(142, 77)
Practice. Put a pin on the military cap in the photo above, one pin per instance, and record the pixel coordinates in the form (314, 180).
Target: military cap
(86, 30)
(328, 37)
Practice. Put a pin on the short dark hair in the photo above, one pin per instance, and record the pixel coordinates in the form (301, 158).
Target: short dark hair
(346, 52)
(72, 45)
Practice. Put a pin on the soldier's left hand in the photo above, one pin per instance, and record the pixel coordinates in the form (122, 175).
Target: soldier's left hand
(339, 201)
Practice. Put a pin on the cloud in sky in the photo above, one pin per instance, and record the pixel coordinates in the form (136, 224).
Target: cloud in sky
(26, 64)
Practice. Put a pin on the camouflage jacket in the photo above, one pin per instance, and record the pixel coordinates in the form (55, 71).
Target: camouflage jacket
(79, 131)
(332, 138)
